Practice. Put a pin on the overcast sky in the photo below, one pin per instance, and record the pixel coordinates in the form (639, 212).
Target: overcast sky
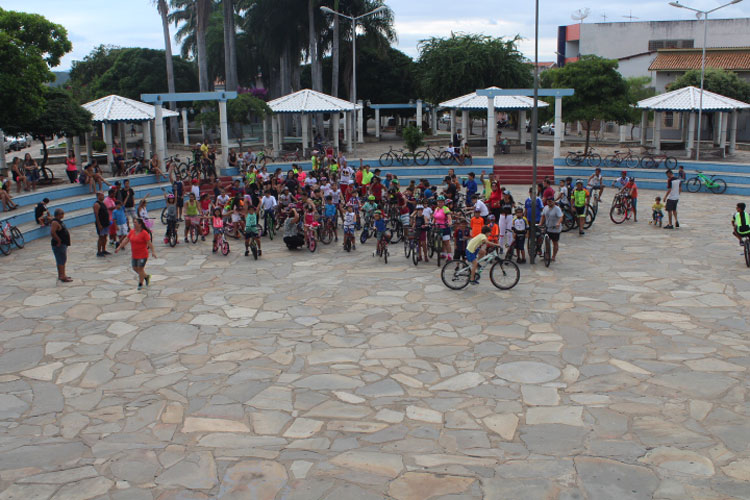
(136, 23)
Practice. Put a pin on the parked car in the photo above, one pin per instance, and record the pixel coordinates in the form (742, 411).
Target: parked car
(15, 143)
(547, 128)
(446, 118)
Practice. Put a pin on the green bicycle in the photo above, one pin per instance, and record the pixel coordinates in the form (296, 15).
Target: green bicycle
(713, 183)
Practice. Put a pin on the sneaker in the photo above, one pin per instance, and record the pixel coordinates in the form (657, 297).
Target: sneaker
(581, 233)
(260, 252)
(140, 286)
(247, 252)
(474, 282)
(669, 226)
(676, 224)
(203, 238)
(336, 238)
(522, 261)
(99, 254)
(148, 279)
(186, 240)
(106, 252)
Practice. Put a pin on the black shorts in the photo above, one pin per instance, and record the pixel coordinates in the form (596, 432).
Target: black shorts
(580, 211)
(520, 240)
(554, 236)
(672, 205)
(178, 201)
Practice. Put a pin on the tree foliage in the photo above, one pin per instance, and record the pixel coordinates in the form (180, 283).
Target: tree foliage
(715, 80)
(128, 72)
(413, 137)
(454, 66)
(245, 108)
(29, 46)
(601, 93)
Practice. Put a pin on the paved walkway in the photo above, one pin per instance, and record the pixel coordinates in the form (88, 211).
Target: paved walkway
(619, 372)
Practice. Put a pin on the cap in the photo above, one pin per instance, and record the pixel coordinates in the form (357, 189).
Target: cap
(377, 212)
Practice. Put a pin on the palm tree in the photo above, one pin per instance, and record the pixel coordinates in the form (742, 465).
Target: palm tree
(161, 6)
(203, 13)
(230, 46)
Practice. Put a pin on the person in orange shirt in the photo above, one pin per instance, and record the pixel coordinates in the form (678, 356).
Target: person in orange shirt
(476, 223)
(494, 235)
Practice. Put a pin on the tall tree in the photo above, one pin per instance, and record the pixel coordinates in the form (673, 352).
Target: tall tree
(335, 53)
(230, 46)
(202, 15)
(716, 80)
(161, 6)
(601, 92)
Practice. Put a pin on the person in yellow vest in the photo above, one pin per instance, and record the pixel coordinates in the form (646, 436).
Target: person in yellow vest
(580, 200)
(741, 223)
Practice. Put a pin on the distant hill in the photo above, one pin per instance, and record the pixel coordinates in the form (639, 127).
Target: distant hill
(61, 78)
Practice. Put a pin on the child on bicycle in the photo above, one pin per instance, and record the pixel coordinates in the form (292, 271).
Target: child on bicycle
(520, 231)
(330, 215)
(419, 228)
(251, 230)
(349, 223)
(217, 221)
(192, 214)
(475, 252)
(381, 229)
(171, 216)
(369, 207)
(657, 212)
(310, 221)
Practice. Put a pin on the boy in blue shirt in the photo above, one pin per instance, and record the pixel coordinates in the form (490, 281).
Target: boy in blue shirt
(471, 188)
(380, 226)
(539, 208)
(329, 213)
(119, 218)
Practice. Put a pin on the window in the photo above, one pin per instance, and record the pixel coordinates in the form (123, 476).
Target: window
(669, 119)
(670, 44)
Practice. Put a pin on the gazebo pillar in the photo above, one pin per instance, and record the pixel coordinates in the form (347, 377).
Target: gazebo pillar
(265, 131)
(185, 135)
(657, 132)
(419, 114)
(350, 137)
(347, 117)
(336, 119)
(434, 124)
(644, 124)
(224, 131)
(360, 122)
(77, 148)
(89, 149)
(453, 123)
(305, 134)
(522, 127)
(147, 139)
(733, 132)
(123, 139)
(159, 132)
(691, 135)
(491, 124)
(465, 125)
(559, 127)
(377, 123)
(108, 141)
(723, 136)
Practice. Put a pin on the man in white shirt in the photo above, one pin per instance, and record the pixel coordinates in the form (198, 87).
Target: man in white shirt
(196, 189)
(268, 204)
(674, 188)
(481, 206)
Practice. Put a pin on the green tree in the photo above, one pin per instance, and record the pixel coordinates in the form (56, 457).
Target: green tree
(61, 115)
(413, 137)
(715, 80)
(244, 110)
(454, 66)
(601, 93)
(29, 46)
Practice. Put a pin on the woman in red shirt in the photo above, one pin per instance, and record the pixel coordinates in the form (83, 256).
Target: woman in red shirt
(496, 200)
(70, 167)
(140, 243)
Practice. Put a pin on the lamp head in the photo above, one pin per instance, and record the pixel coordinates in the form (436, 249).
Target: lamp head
(673, 4)
(327, 10)
(736, 1)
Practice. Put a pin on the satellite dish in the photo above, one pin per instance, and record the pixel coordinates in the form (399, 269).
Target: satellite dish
(581, 14)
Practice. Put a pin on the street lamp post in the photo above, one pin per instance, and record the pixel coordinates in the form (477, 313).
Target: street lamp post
(704, 15)
(353, 19)
(534, 135)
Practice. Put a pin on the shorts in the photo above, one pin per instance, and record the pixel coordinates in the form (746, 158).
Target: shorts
(634, 203)
(672, 205)
(520, 240)
(61, 254)
(446, 234)
(218, 230)
(250, 234)
(379, 235)
(581, 211)
(348, 229)
(104, 231)
(113, 229)
(138, 262)
(404, 219)
(422, 235)
(178, 201)
(471, 256)
(122, 230)
(553, 236)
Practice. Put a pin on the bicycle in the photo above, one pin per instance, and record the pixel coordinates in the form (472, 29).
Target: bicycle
(423, 157)
(193, 232)
(543, 245)
(172, 237)
(399, 155)
(349, 240)
(411, 249)
(382, 249)
(221, 243)
(367, 230)
(10, 235)
(622, 158)
(310, 233)
(435, 243)
(651, 160)
(252, 246)
(291, 155)
(746, 248)
(325, 232)
(713, 183)
(579, 157)
(621, 209)
(269, 224)
(504, 274)
(448, 157)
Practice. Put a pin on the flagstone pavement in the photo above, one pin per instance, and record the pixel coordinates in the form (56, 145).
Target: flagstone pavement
(619, 372)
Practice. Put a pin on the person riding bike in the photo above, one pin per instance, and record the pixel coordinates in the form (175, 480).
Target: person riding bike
(741, 223)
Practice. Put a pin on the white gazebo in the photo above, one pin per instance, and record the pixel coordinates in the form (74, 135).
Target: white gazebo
(308, 102)
(117, 109)
(474, 102)
(687, 100)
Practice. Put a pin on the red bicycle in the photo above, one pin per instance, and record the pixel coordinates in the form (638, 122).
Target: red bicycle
(622, 208)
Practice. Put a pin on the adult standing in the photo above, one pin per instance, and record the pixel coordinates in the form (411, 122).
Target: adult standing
(110, 202)
(102, 222)
(70, 167)
(495, 200)
(674, 188)
(60, 243)
(548, 192)
(140, 243)
(552, 221)
(127, 197)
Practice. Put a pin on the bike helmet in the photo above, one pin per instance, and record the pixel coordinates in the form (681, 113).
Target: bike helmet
(394, 181)
(579, 181)
(170, 197)
(371, 197)
(441, 198)
(377, 212)
(420, 207)
(490, 217)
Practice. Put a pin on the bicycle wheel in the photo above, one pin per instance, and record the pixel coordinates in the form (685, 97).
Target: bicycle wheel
(693, 185)
(17, 237)
(504, 274)
(445, 158)
(571, 159)
(631, 161)
(385, 255)
(611, 161)
(363, 237)
(386, 160)
(432, 245)
(422, 158)
(397, 230)
(326, 235)
(718, 186)
(173, 239)
(164, 216)
(649, 161)
(747, 251)
(594, 160)
(414, 254)
(4, 245)
(618, 213)
(569, 220)
(407, 159)
(670, 162)
(47, 175)
(225, 248)
(254, 250)
(312, 245)
(271, 226)
(455, 274)
(547, 250)
(183, 172)
(193, 233)
(590, 216)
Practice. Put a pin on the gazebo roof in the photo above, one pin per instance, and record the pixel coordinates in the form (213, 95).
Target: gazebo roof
(114, 108)
(474, 102)
(688, 99)
(309, 101)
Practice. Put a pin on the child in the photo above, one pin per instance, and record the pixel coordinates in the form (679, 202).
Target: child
(192, 214)
(251, 230)
(477, 222)
(354, 203)
(494, 235)
(474, 252)
(419, 228)
(461, 236)
(520, 229)
(236, 219)
(143, 214)
(658, 212)
(349, 223)
(330, 214)
(177, 190)
(119, 217)
(380, 226)
(171, 216)
(217, 221)
(369, 207)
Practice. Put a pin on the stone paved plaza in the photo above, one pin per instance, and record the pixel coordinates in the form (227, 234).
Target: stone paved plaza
(619, 372)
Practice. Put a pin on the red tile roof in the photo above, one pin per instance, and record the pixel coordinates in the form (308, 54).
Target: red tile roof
(735, 58)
